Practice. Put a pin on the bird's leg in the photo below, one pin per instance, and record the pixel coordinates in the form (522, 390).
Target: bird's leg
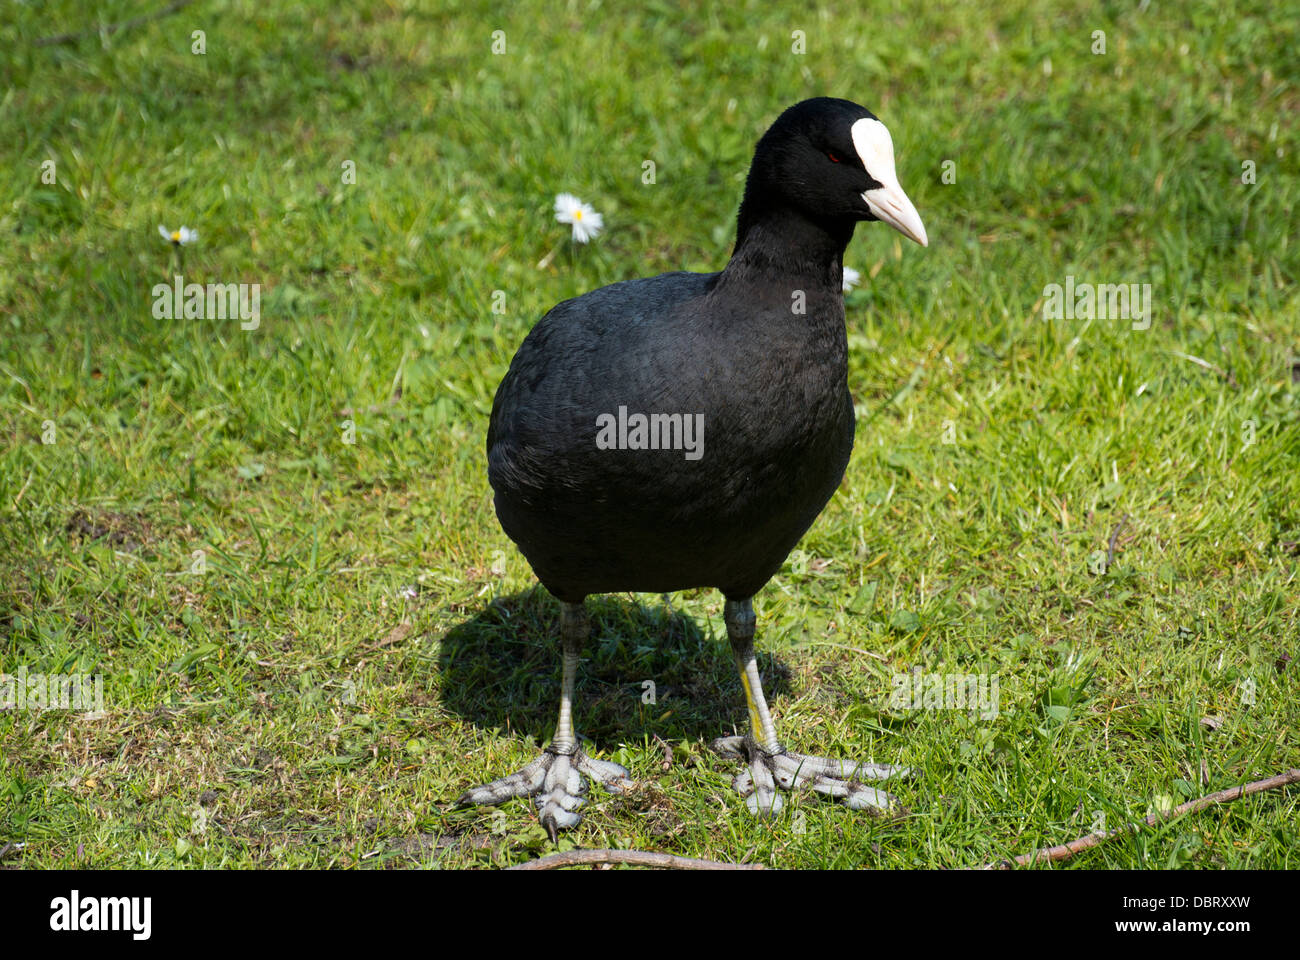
(740, 620)
(555, 779)
(770, 764)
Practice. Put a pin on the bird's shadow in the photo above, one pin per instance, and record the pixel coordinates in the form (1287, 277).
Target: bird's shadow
(645, 670)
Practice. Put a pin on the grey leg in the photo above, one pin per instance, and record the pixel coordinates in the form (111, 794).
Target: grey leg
(769, 764)
(555, 778)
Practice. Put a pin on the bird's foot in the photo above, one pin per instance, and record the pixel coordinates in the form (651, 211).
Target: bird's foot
(556, 783)
(837, 778)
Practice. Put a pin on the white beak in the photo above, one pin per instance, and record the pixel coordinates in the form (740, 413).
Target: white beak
(888, 203)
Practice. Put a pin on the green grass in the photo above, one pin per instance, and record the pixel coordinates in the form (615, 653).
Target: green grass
(366, 643)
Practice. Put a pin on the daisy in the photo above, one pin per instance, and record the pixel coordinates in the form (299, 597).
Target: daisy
(851, 279)
(586, 221)
(179, 237)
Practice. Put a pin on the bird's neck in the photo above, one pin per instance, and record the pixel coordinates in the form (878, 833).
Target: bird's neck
(785, 245)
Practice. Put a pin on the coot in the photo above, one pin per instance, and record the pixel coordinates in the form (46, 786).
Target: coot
(685, 430)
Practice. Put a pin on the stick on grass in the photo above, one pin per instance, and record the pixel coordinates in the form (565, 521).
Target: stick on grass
(1067, 850)
(639, 858)
(111, 28)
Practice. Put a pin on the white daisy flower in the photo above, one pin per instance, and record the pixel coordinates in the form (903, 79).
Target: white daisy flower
(586, 221)
(179, 237)
(851, 279)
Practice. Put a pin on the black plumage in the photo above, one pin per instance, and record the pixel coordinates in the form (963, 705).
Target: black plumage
(778, 427)
(755, 353)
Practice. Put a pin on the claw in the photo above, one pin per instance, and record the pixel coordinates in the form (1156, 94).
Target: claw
(840, 779)
(557, 782)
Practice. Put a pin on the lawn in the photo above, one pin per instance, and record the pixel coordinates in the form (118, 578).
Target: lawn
(274, 541)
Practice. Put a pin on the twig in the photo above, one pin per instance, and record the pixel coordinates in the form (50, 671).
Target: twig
(1067, 850)
(668, 753)
(1212, 367)
(912, 380)
(24, 489)
(640, 858)
(845, 646)
(1110, 547)
(110, 28)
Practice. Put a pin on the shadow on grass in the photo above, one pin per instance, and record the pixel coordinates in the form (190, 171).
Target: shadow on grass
(501, 669)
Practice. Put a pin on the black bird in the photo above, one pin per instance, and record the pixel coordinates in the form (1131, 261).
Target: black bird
(596, 446)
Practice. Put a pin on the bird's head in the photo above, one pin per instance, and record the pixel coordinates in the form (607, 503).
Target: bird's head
(833, 160)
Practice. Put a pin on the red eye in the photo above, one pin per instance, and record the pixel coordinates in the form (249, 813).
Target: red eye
(831, 157)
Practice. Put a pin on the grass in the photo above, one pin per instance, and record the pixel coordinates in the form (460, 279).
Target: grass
(310, 647)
